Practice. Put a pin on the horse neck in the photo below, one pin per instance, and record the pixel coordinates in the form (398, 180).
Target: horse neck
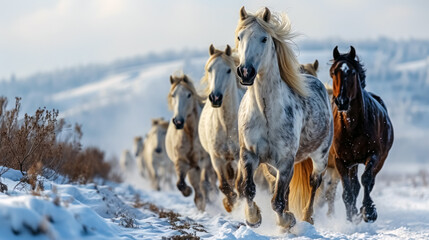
(269, 87)
(192, 119)
(230, 103)
(356, 116)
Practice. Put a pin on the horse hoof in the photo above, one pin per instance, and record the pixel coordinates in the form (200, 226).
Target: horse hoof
(253, 215)
(187, 191)
(286, 220)
(254, 225)
(226, 205)
(369, 214)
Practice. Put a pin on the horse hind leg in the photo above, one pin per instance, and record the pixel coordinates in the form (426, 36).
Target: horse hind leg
(331, 189)
(182, 169)
(368, 210)
(248, 164)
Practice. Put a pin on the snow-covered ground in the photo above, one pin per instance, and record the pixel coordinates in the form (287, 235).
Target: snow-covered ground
(132, 211)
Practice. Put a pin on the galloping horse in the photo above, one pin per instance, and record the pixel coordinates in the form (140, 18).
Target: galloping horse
(284, 118)
(183, 143)
(363, 132)
(159, 167)
(138, 152)
(218, 128)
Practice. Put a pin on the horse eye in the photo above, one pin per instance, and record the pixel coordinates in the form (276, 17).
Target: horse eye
(264, 40)
(238, 38)
(229, 71)
(189, 95)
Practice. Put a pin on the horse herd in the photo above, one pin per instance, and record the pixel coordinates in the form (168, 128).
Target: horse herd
(265, 119)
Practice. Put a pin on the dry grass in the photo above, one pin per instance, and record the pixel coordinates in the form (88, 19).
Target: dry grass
(32, 146)
(187, 228)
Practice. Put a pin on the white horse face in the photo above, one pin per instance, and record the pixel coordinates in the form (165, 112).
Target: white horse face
(255, 48)
(182, 101)
(156, 139)
(220, 78)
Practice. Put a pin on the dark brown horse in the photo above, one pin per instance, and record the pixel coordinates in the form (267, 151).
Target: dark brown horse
(363, 133)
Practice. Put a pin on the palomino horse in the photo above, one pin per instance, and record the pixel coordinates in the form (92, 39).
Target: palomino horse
(182, 141)
(159, 167)
(218, 128)
(138, 152)
(309, 68)
(363, 132)
(284, 118)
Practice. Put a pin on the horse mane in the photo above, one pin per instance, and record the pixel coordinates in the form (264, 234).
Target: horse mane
(231, 60)
(187, 83)
(357, 64)
(279, 27)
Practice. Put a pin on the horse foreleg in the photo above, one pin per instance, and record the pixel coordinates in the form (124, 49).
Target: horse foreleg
(194, 176)
(182, 169)
(350, 188)
(368, 210)
(248, 164)
(315, 180)
(280, 200)
(223, 170)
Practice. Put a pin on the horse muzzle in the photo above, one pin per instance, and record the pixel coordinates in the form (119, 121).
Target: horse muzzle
(216, 99)
(179, 123)
(343, 104)
(247, 75)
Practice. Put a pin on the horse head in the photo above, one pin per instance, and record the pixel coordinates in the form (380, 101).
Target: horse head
(255, 45)
(345, 77)
(182, 98)
(219, 75)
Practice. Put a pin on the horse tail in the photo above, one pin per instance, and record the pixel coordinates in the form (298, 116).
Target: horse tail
(300, 190)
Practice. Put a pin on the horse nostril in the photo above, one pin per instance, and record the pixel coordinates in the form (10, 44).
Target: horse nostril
(158, 150)
(211, 97)
(239, 72)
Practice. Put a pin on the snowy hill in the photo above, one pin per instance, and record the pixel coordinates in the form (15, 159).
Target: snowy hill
(115, 101)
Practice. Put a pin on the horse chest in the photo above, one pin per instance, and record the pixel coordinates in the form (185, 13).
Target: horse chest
(353, 149)
(262, 133)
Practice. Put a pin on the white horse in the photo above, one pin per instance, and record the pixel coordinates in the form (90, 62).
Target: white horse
(138, 152)
(218, 128)
(159, 166)
(182, 141)
(126, 162)
(284, 118)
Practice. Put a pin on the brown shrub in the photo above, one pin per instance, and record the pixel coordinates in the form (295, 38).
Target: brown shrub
(31, 146)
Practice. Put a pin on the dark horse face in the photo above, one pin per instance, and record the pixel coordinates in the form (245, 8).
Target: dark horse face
(345, 79)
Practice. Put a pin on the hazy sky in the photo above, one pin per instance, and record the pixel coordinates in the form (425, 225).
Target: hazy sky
(46, 34)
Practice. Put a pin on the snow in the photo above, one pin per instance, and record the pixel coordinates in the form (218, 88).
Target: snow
(99, 211)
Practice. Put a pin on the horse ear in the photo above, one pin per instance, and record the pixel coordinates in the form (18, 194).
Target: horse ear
(228, 50)
(211, 49)
(315, 65)
(171, 79)
(336, 53)
(267, 15)
(243, 13)
(185, 78)
(352, 53)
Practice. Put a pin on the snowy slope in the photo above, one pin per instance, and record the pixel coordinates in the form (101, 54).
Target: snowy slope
(112, 211)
